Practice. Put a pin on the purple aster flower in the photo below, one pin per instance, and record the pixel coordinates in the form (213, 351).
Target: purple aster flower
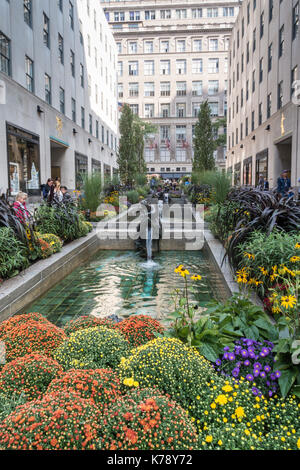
(267, 368)
(256, 372)
(277, 374)
(226, 348)
(262, 374)
(249, 342)
(231, 356)
(244, 353)
(257, 365)
(252, 355)
(255, 391)
(249, 377)
(247, 363)
(218, 362)
(270, 393)
(226, 356)
(273, 376)
(235, 372)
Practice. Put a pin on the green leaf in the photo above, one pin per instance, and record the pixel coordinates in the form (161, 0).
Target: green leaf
(209, 351)
(286, 381)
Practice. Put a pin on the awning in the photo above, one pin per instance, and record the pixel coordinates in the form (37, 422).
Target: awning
(58, 142)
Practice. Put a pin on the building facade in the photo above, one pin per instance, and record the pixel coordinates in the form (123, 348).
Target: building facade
(172, 56)
(58, 93)
(263, 110)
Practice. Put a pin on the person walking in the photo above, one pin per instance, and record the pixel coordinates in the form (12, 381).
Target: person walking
(46, 188)
(283, 184)
(20, 208)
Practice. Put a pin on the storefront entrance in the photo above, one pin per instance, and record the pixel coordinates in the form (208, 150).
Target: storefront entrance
(58, 155)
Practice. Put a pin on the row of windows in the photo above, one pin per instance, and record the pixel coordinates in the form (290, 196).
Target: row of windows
(240, 100)
(281, 38)
(168, 170)
(213, 66)
(165, 14)
(180, 109)
(213, 44)
(165, 88)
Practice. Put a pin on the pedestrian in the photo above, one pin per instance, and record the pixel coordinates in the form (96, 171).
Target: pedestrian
(20, 208)
(66, 196)
(47, 187)
(283, 184)
(58, 195)
(263, 184)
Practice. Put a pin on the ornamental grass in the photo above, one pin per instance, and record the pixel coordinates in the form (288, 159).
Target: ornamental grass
(139, 329)
(92, 348)
(32, 336)
(57, 422)
(86, 321)
(102, 386)
(171, 366)
(147, 420)
(29, 375)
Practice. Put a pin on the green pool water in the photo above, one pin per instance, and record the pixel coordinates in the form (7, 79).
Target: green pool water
(122, 283)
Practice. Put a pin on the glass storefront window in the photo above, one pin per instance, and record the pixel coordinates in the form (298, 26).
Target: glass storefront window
(261, 166)
(23, 161)
(81, 169)
(237, 174)
(96, 166)
(247, 172)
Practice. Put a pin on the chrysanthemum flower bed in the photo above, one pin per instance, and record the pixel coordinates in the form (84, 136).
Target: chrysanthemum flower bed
(29, 375)
(92, 348)
(147, 420)
(17, 320)
(86, 321)
(31, 336)
(139, 329)
(102, 386)
(57, 422)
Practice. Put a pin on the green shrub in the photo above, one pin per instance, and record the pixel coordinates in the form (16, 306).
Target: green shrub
(12, 254)
(61, 219)
(93, 348)
(53, 240)
(92, 187)
(133, 196)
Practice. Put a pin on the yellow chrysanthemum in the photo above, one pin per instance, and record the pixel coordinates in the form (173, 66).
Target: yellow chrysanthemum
(221, 399)
(240, 412)
(227, 388)
(209, 439)
(288, 301)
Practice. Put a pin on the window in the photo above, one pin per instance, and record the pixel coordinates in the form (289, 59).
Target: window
(214, 108)
(46, 35)
(29, 74)
(180, 110)
(254, 40)
(247, 172)
(82, 117)
(281, 41)
(133, 89)
(195, 109)
(180, 134)
(47, 89)
(271, 7)
(150, 15)
(213, 87)
(181, 153)
(60, 5)
(248, 13)
(295, 21)
(164, 156)
(262, 24)
(228, 11)
(165, 14)
(260, 116)
(28, 12)
(134, 16)
(4, 54)
(71, 15)
(120, 90)
(62, 100)
(197, 45)
(269, 105)
(119, 47)
(91, 124)
(164, 133)
(149, 89)
(133, 68)
(148, 47)
(165, 89)
(149, 156)
(213, 45)
(294, 76)
(180, 45)
(280, 95)
(212, 12)
(164, 46)
(119, 16)
(197, 88)
(261, 70)
(165, 110)
(181, 14)
(61, 49)
(165, 67)
(81, 169)
(252, 121)
(149, 67)
(134, 108)
(120, 69)
(213, 65)
(132, 49)
(81, 74)
(253, 81)
(180, 67)
(197, 66)
(270, 57)
(149, 110)
(181, 88)
(247, 127)
(197, 13)
(73, 106)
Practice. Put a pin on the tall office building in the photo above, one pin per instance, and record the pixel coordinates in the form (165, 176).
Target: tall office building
(263, 110)
(58, 92)
(172, 56)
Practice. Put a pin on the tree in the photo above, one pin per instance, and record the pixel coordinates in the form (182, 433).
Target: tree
(204, 144)
(127, 152)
